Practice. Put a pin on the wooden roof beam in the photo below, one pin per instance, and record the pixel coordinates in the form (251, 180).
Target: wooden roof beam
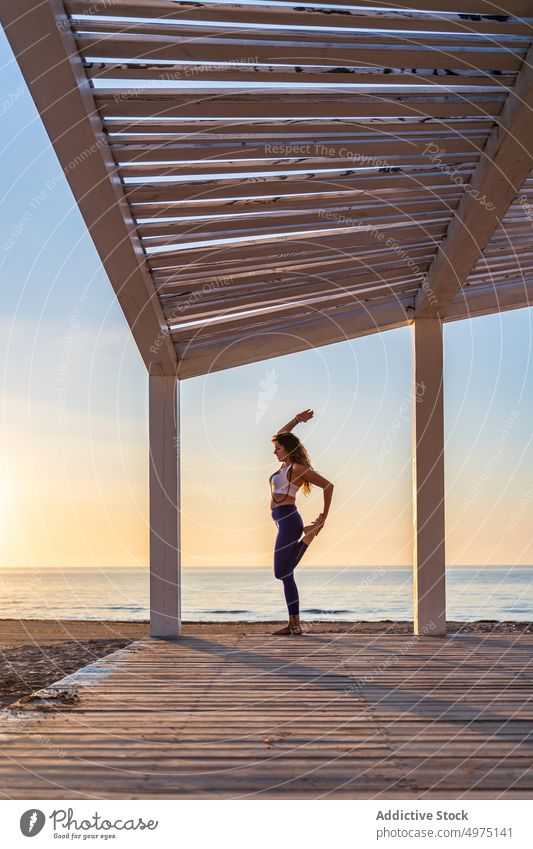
(505, 164)
(250, 348)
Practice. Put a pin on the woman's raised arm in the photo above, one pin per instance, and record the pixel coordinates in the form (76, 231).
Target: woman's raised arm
(304, 416)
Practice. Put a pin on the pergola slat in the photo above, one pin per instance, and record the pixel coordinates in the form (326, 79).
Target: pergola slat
(275, 221)
(326, 229)
(314, 259)
(303, 263)
(329, 280)
(231, 250)
(283, 141)
(186, 309)
(277, 17)
(374, 206)
(459, 109)
(297, 272)
(289, 166)
(273, 255)
(508, 256)
(316, 302)
(272, 186)
(327, 200)
(192, 30)
(517, 8)
(301, 78)
(522, 272)
(484, 300)
(235, 51)
(201, 151)
(280, 318)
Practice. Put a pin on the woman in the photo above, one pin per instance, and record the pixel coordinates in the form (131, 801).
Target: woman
(296, 471)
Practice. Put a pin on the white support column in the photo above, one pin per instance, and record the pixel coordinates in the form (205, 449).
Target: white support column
(165, 512)
(428, 478)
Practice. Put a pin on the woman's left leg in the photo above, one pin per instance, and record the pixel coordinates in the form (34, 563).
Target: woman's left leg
(288, 552)
(291, 595)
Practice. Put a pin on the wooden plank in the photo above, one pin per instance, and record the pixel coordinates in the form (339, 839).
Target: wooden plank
(182, 257)
(295, 281)
(473, 301)
(271, 186)
(350, 200)
(228, 78)
(208, 167)
(199, 150)
(224, 107)
(409, 11)
(286, 283)
(512, 273)
(127, 135)
(280, 320)
(517, 8)
(316, 20)
(292, 273)
(288, 217)
(253, 235)
(360, 107)
(228, 224)
(234, 50)
(319, 258)
(191, 30)
(283, 303)
(216, 263)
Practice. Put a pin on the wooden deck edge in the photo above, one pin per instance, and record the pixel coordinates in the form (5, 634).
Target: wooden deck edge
(65, 691)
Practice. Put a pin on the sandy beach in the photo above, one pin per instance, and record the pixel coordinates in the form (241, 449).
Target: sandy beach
(35, 652)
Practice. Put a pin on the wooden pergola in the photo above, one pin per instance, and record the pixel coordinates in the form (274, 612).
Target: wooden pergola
(261, 178)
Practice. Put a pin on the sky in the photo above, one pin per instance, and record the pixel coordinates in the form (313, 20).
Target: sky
(74, 429)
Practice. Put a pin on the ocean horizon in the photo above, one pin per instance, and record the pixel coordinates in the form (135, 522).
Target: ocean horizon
(225, 594)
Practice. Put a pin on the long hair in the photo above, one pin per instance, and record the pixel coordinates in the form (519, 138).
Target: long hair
(298, 453)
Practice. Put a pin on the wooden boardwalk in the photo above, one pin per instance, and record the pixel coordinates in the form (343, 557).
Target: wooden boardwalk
(323, 716)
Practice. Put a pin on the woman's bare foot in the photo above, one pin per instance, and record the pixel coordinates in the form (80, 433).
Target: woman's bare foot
(294, 628)
(310, 531)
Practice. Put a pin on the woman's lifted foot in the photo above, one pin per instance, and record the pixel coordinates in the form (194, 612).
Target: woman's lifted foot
(310, 531)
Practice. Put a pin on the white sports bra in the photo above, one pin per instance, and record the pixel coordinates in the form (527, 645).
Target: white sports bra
(279, 483)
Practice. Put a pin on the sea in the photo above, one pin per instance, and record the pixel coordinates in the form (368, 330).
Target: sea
(226, 594)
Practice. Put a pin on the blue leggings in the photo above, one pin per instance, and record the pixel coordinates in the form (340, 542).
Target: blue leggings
(288, 551)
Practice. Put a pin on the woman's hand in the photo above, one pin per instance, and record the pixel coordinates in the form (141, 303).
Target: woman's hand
(304, 416)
